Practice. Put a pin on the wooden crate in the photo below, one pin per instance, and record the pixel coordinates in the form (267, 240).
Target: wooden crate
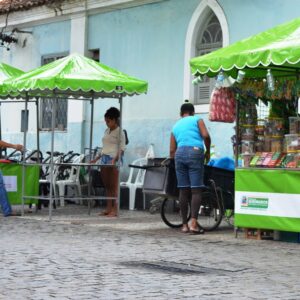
(259, 234)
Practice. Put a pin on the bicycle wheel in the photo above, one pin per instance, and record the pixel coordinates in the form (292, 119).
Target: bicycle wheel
(171, 214)
(210, 213)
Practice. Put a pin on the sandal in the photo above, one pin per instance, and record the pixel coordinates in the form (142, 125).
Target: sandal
(185, 229)
(196, 230)
(103, 213)
(14, 214)
(111, 215)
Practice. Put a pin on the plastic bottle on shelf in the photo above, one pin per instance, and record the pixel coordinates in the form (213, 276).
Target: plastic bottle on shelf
(212, 151)
(298, 159)
(270, 81)
(150, 153)
(240, 161)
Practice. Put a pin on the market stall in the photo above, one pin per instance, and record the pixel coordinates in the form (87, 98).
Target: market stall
(263, 74)
(74, 77)
(12, 171)
(6, 72)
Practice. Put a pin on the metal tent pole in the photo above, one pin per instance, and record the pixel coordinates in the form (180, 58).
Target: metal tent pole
(2, 150)
(37, 129)
(0, 123)
(24, 144)
(90, 151)
(237, 134)
(237, 146)
(119, 162)
(51, 159)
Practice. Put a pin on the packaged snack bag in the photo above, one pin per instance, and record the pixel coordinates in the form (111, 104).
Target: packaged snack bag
(222, 105)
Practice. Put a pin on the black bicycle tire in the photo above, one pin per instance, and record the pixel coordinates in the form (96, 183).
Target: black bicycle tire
(164, 215)
(212, 204)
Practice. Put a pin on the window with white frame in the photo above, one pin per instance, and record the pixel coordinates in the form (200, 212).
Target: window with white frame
(210, 38)
(61, 120)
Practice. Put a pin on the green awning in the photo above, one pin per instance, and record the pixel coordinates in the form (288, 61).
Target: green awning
(277, 49)
(74, 75)
(7, 71)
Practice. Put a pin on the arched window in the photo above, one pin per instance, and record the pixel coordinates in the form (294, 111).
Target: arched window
(209, 38)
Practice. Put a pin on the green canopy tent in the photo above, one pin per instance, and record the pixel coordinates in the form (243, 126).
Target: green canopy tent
(6, 72)
(76, 77)
(277, 49)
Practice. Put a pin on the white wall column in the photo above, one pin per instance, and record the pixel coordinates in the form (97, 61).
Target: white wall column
(79, 33)
(78, 44)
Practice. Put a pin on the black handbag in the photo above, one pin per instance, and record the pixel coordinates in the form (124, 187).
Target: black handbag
(160, 177)
(96, 179)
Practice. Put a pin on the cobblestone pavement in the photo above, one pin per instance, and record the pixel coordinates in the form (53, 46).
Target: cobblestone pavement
(135, 256)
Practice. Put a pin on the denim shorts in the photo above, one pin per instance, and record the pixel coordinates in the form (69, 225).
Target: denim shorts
(189, 164)
(107, 160)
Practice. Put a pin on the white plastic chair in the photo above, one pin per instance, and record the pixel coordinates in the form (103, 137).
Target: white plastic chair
(73, 180)
(47, 179)
(136, 177)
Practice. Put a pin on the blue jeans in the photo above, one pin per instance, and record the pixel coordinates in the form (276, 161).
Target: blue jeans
(189, 165)
(6, 208)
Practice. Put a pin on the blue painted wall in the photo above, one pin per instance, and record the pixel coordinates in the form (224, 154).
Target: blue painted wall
(47, 39)
(53, 38)
(147, 42)
(248, 17)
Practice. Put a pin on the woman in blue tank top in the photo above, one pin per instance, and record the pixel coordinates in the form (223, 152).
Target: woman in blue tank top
(190, 146)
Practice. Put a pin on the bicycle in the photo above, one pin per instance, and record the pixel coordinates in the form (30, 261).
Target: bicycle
(210, 212)
(217, 195)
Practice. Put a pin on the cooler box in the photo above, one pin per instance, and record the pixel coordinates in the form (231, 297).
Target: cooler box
(160, 178)
(12, 175)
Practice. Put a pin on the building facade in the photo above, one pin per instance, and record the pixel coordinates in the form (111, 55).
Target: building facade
(149, 39)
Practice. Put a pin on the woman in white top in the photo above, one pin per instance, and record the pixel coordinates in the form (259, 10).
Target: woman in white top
(113, 147)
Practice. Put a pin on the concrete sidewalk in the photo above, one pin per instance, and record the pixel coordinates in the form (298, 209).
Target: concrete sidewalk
(136, 256)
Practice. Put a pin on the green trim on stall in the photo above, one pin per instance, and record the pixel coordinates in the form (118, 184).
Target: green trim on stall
(268, 181)
(267, 222)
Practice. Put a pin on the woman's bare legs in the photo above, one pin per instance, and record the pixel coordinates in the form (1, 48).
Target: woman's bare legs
(195, 206)
(110, 177)
(114, 177)
(184, 194)
(106, 182)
